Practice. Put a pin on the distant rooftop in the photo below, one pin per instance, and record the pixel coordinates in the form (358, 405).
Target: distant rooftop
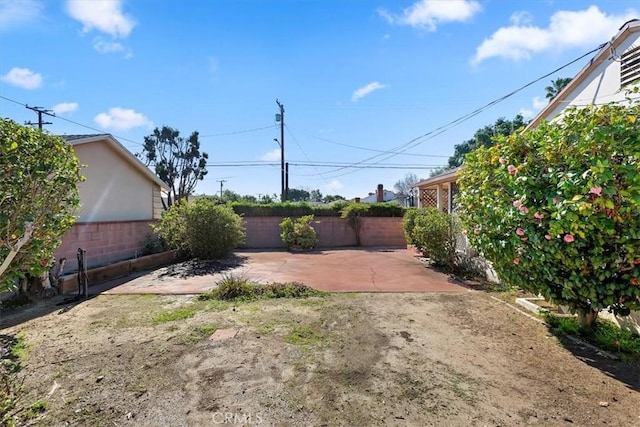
(70, 138)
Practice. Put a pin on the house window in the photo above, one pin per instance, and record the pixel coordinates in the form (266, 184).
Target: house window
(630, 66)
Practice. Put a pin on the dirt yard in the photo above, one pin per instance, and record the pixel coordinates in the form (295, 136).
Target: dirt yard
(459, 359)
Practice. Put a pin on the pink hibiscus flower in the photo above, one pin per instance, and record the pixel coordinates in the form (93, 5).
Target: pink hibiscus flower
(516, 261)
(538, 215)
(519, 231)
(511, 169)
(595, 190)
(547, 236)
(517, 204)
(569, 238)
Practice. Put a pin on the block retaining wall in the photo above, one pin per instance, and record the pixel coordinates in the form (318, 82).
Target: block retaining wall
(333, 232)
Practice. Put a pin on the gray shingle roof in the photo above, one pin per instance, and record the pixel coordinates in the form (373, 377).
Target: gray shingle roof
(70, 138)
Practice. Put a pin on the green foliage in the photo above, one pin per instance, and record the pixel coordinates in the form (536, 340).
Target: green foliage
(604, 334)
(556, 209)
(298, 209)
(177, 314)
(485, 137)
(12, 351)
(409, 223)
(152, 244)
(556, 87)
(234, 288)
(435, 232)
(172, 228)
(39, 173)
(299, 232)
(353, 213)
(303, 336)
(212, 231)
(176, 160)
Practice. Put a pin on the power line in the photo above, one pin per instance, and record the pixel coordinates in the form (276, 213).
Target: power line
(305, 154)
(441, 129)
(213, 135)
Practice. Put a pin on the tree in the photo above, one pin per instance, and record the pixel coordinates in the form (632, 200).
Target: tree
(556, 87)
(38, 199)
(298, 195)
(556, 209)
(403, 186)
(315, 196)
(484, 138)
(176, 160)
(332, 198)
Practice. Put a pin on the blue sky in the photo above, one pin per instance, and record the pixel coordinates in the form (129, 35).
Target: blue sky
(354, 76)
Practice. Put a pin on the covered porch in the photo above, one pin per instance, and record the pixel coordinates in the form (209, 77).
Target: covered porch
(438, 191)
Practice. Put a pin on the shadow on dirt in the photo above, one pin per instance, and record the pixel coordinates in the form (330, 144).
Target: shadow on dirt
(627, 372)
(195, 267)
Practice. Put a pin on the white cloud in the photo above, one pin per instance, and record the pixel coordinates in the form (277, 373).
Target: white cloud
(521, 18)
(567, 29)
(427, 14)
(334, 185)
(103, 15)
(22, 77)
(366, 90)
(122, 119)
(15, 13)
(65, 107)
(271, 155)
(104, 46)
(537, 104)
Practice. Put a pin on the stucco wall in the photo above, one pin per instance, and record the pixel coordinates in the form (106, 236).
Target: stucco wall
(333, 232)
(105, 242)
(602, 86)
(114, 190)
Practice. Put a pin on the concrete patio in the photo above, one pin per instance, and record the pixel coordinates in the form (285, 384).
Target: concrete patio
(336, 270)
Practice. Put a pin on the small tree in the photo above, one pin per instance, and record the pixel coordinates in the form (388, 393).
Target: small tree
(403, 186)
(556, 209)
(212, 230)
(38, 199)
(556, 87)
(353, 213)
(176, 160)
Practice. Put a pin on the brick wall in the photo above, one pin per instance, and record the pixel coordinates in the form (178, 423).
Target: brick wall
(105, 242)
(333, 232)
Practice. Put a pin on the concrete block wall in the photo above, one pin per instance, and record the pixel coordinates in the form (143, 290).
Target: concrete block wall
(105, 242)
(333, 232)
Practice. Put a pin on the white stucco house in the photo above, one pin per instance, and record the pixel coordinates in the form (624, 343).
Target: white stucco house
(119, 199)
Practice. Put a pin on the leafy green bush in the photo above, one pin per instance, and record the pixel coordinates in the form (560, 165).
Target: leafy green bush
(152, 244)
(556, 209)
(437, 233)
(298, 209)
(38, 199)
(409, 223)
(238, 288)
(299, 232)
(172, 228)
(212, 231)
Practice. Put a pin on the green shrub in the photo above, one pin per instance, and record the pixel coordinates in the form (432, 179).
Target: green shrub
(409, 223)
(298, 209)
(353, 213)
(172, 228)
(238, 288)
(152, 244)
(437, 233)
(212, 230)
(299, 232)
(556, 209)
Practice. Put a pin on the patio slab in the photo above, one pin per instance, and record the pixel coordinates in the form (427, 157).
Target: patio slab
(336, 270)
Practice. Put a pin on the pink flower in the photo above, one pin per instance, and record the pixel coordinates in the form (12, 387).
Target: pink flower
(519, 231)
(595, 190)
(555, 200)
(569, 238)
(538, 215)
(548, 237)
(502, 160)
(511, 169)
(516, 260)
(517, 204)
(524, 209)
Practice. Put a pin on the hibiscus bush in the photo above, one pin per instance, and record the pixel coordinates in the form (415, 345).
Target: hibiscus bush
(556, 209)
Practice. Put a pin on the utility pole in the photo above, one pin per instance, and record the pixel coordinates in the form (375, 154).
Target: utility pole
(286, 180)
(280, 118)
(221, 181)
(40, 112)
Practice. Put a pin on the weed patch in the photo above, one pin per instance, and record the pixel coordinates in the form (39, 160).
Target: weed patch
(603, 334)
(232, 288)
(303, 336)
(177, 314)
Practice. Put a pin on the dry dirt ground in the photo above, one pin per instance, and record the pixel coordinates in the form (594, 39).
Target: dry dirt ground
(343, 359)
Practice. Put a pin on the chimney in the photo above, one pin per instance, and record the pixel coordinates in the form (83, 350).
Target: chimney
(357, 199)
(380, 194)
